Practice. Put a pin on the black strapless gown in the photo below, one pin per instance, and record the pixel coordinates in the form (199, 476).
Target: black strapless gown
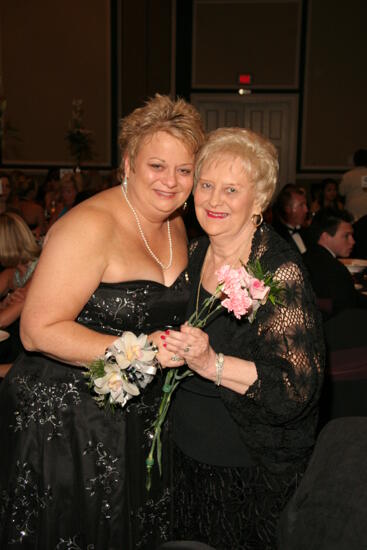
(72, 476)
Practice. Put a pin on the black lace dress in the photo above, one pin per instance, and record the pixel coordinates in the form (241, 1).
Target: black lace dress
(72, 476)
(239, 458)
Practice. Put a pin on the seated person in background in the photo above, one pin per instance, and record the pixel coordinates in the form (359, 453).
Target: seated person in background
(49, 192)
(17, 195)
(328, 199)
(290, 213)
(360, 236)
(315, 191)
(32, 212)
(7, 194)
(331, 280)
(354, 186)
(19, 254)
(69, 192)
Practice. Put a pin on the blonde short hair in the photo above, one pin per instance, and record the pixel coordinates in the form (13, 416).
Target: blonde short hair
(17, 242)
(258, 155)
(161, 113)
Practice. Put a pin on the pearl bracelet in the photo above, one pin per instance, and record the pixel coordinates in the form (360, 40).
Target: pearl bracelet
(219, 362)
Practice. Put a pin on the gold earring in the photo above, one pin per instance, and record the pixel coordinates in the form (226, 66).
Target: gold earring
(257, 219)
(184, 206)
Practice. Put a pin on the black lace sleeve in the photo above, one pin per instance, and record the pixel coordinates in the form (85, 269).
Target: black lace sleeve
(286, 344)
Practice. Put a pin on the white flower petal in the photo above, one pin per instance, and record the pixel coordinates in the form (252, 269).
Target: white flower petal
(147, 356)
(142, 340)
(130, 339)
(100, 382)
(122, 361)
(130, 388)
(101, 391)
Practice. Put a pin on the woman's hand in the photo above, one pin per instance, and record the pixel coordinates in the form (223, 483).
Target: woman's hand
(192, 344)
(164, 356)
(14, 297)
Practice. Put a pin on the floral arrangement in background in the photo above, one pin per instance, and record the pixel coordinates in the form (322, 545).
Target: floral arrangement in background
(79, 138)
(240, 291)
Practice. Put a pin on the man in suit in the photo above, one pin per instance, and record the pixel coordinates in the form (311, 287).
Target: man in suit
(290, 216)
(331, 280)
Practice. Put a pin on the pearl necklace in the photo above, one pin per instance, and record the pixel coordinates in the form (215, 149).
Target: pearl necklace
(164, 267)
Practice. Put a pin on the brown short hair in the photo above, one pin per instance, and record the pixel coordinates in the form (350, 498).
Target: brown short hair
(17, 242)
(285, 198)
(161, 113)
(258, 155)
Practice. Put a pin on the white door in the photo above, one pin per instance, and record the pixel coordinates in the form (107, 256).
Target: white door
(274, 116)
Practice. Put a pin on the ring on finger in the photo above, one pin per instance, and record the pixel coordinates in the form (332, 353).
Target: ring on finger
(187, 349)
(176, 358)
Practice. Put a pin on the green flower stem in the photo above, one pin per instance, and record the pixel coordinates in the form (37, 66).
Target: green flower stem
(171, 382)
(195, 319)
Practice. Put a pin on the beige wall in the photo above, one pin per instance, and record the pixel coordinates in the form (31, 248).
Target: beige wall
(335, 90)
(52, 52)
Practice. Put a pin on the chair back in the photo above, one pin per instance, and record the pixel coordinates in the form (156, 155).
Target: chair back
(328, 509)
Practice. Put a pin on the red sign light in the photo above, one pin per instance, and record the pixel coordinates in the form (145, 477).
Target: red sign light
(244, 78)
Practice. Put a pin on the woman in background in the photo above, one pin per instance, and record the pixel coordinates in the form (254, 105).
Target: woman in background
(328, 199)
(19, 253)
(68, 194)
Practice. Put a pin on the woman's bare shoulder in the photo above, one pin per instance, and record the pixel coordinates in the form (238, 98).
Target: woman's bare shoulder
(96, 215)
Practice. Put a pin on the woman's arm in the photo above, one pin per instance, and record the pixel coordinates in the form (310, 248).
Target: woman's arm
(10, 313)
(4, 369)
(72, 264)
(289, 355)
(6, 278)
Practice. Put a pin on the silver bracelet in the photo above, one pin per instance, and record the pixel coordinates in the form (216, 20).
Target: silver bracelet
(219, 362)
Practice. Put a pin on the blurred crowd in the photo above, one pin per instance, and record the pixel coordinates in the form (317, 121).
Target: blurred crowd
(28, 208)
(41, 202)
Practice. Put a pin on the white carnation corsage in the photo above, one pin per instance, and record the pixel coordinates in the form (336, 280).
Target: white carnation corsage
(127, 367)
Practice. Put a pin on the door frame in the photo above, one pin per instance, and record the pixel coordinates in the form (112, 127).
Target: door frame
(260, 98)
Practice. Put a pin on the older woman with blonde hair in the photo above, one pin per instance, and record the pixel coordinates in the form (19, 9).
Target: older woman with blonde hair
(244, 425)
(74, 474)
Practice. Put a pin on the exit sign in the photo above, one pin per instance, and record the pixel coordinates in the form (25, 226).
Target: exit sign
(244, 78)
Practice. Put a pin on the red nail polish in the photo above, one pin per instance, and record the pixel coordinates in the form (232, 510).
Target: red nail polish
(166, 331)
(163, 337)
(164, 345)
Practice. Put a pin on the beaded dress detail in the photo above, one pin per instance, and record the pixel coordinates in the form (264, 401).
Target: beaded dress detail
(73, 475)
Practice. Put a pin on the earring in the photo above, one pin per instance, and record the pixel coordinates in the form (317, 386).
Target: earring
(184, 206)
(257, 219)
(124, 183)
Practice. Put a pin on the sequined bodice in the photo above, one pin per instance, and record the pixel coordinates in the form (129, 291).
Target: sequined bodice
(142, 305)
